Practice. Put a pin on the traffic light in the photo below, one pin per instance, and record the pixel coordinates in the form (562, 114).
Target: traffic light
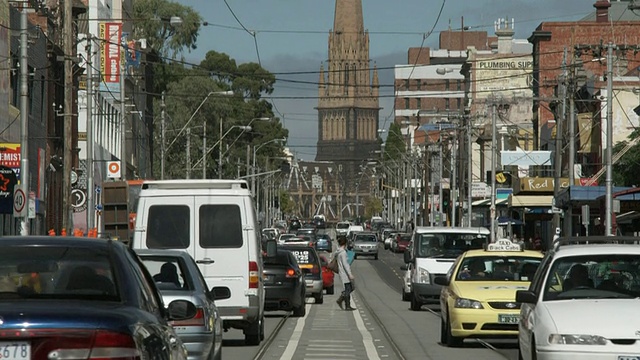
(446, 199)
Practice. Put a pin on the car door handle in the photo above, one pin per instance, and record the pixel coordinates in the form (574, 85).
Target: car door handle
(205, 261)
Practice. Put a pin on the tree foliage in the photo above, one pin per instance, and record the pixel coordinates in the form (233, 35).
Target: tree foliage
(372, 206)
(626, 170)
(287, 205)
(395, 145)
(151, 20)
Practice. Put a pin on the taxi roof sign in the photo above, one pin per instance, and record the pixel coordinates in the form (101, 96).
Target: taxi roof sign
(503, 245)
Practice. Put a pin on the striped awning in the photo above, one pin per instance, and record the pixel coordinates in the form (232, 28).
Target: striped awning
(487, 202)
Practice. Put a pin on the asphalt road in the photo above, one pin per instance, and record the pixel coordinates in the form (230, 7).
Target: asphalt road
(383, 327)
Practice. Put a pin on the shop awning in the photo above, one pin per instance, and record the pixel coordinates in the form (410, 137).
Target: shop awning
(530, 200)
(487, 202)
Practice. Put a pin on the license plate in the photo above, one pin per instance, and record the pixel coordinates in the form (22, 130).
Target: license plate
(508, 319)
(15, 350)
(629, 357)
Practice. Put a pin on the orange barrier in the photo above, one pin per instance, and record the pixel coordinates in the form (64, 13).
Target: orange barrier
(52, 232)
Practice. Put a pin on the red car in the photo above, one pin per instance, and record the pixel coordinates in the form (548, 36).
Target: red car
(403, 241)
(327, 275)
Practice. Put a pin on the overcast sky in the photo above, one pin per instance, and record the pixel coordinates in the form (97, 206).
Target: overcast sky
(292, 36)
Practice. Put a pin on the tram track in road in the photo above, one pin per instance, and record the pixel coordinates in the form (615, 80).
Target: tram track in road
(268, 341)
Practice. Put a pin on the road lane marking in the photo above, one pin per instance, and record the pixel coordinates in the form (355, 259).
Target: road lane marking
(367, 340)
(295, 337)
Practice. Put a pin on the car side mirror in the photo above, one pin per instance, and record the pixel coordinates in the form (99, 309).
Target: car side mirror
(526, 296)
(221, 293)
(271, 248)
(404, 268)
(181, 310)
(441, 280)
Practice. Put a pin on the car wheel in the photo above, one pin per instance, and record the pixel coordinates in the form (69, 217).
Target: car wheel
(415, 305)
(330, 290)
(300, 311)
(452, 341)
(319, 298)
(443, 331)
(252, 334)
(262, 329)
(406, 296)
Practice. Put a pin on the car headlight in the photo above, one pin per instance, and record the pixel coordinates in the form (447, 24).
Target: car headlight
(564, 339)
(463, 303)
(423, 276)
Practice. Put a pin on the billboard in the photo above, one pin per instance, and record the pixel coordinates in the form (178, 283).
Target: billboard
(110, 50)
(10, 157)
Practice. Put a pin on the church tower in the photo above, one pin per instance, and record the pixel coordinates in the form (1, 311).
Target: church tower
(348, 108)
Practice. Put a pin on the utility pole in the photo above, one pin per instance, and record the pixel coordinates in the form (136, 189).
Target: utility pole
(188, 153)
(162, 138)
(67, 219)
(609, 157)
(560, 118)
(494, 115)
(91, 211)
(441, 175)
(433, 187)
(454, 178)
(24, 114)
(469, 175)
(204, 150)
(572, 145)
(220, 152)
(123, 124)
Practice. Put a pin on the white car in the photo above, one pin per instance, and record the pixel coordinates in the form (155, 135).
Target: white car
(342, 228)
(388, 240)
(583, 301)
(406, 282)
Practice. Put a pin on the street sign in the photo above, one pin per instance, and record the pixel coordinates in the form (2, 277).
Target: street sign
(585, 215)
(79, 200)
(19, 202)
(113, 169)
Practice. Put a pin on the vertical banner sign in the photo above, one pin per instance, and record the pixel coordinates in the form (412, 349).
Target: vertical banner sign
(585, 126)
(110, 33)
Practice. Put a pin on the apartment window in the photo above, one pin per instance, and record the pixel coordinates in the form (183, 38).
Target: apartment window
(446, 84)
(458, 85)
(458, 102)
(406, 103)
(446, 104)
(418, 103)
(418, 84)
(406, 84)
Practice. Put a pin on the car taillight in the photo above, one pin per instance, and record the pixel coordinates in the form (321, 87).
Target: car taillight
(291, 273)
(106, 345)
(253, 275)
(197, 320)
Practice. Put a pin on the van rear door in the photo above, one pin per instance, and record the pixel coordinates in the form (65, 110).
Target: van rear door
(167, 223)
(222, 252)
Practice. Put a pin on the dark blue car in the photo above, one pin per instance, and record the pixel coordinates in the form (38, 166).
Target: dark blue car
(77, 298)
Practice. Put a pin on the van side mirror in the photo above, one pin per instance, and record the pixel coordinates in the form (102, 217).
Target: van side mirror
(271, 248)
(407, 257)
(526, 296)
(441, 280)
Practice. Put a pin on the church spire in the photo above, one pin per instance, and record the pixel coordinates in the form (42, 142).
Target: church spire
(348, 17)
(321, 87)
(375, 82)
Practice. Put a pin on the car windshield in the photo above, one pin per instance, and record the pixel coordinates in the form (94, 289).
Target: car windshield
(365, 238)
(593, 277)
(497, 268)
(57, 272)
(168, 272)
(342, 226)
(448, 245)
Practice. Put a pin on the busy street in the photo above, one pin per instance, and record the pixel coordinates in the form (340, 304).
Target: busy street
(383, 327)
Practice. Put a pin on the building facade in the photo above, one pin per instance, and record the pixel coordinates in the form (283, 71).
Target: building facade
(348, 108)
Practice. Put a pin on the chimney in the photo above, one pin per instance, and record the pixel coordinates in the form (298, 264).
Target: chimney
(602, 10)
(504, 32)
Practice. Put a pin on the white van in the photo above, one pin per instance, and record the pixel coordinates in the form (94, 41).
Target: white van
(215, 222)
(432, 252)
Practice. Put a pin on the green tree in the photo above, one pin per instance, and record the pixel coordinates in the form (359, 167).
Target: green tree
(286, 204)
(626, 170)
(395, 145)
(372, 206)
(151, 19)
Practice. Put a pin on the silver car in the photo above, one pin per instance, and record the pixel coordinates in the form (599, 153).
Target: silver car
(177, 277)
(365, 244)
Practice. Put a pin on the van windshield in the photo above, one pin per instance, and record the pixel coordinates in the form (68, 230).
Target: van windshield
(342, 226)
(448, 245)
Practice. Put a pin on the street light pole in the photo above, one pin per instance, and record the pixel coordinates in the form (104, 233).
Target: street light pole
(24, 117)
(220, 153)
(609, 142)
(91, 211)
(493, 171)
(469, 175)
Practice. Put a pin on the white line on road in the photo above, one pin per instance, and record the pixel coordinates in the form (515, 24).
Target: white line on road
(295, 337)
(367, 340)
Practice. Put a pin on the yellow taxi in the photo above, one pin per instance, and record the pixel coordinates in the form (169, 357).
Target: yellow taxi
(478, 294)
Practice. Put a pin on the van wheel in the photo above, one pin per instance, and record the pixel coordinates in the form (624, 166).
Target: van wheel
(406, 296)
(330, 290)
(415, 305)
(319, 298)
(376, 257)
(253, 334)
